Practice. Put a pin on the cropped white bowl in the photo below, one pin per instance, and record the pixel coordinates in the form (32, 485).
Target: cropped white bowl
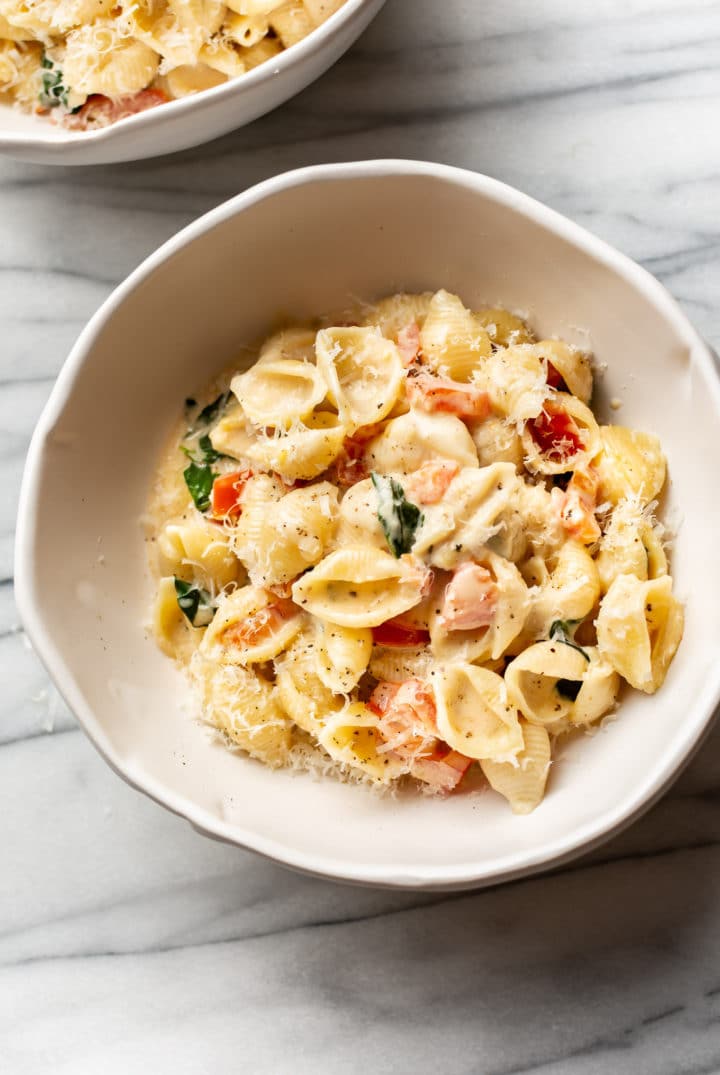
(295, 246)
(192, 120)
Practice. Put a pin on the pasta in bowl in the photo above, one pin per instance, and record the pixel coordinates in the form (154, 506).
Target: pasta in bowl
(402, 548)
(181, 326)
(81, 80)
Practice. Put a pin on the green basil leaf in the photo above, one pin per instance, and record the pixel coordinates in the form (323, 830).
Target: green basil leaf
(562, 631)
(195, 603)
(199, 478)
(212, 412)
(53, 92)
(399, 518)
(209, 454)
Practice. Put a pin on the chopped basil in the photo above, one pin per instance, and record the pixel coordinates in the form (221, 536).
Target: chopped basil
(199, 475)
(209, 453)
(195, 603)
(199, 478)
(399, 518)
(208, 414)
(562, 631)
(53, 92)
(568, 688)
(203, 452)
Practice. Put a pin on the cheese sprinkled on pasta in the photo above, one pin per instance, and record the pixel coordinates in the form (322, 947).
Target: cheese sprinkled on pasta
(401, 549)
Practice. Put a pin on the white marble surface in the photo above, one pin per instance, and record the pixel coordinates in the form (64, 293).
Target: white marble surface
(129, 943)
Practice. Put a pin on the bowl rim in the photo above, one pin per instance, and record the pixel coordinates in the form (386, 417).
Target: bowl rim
(59, 140)
(448, 877)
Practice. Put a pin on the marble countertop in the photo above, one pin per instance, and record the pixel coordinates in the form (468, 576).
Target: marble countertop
(128, 942)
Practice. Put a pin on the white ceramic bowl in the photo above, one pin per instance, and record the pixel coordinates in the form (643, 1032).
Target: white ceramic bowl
(193, 120)
(295, 246)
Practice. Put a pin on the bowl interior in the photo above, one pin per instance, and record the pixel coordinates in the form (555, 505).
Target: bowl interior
(293, 251)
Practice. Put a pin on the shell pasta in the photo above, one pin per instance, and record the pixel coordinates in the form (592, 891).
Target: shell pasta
(400, 548)
(89, 63)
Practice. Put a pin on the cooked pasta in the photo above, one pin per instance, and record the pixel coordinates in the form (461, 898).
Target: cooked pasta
(401, 548)
(89, 63)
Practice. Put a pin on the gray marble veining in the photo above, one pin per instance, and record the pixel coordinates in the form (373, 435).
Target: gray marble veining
(129, 943)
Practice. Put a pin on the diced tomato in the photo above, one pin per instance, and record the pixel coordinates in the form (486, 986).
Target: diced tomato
(227, 493)
(556, 434)
(471, 599)
(577, 506)
(351, 467)
(393, 633)
(429, 484)
(555, 378)
(266, 621)
(100, 111)
(409, 343)
(433, 393)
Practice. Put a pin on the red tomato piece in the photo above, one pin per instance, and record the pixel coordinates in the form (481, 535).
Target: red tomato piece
(395, 634)
(227, 492)
(577, 506)
(351, 468)
(556, 434)
(266, 621)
